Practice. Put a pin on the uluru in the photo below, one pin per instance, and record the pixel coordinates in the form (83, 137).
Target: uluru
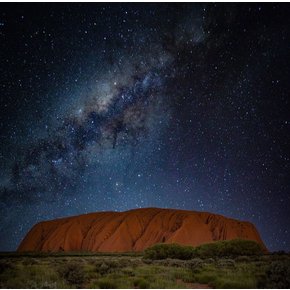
(134, 230)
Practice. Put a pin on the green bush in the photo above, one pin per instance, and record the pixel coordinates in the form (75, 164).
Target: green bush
(124, 262)
(207, 278)
(230, 248)
(277, 276)
(164, 251)
(209, 260)
(194, 264)
(176, 263)
(29, 261)
(73, 273)
(128, 272)
(104, 267)
(226, 263)
(141, 283)
(219, 277)
(106, 283)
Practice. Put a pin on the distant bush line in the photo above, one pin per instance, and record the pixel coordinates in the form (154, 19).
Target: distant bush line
(232, 248)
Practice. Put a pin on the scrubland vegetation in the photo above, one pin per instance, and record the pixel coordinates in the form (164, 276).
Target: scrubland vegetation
(232, 264)
(212, 250)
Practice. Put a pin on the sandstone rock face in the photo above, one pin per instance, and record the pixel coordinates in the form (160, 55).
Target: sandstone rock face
(134, 230)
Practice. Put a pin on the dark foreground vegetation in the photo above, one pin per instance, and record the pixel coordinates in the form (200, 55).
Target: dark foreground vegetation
(233, 264)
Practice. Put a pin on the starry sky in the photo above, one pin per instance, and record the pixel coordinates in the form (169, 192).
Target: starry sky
(121, 106)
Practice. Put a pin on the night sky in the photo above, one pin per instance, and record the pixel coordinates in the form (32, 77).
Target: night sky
(121, 106)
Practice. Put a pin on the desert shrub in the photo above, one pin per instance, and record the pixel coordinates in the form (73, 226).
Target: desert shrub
(259, 264)
(31, 276)
(123, 262)
(106, 283)
(4, 265)
(29, 261)
(229, 249)
(169, 262)
(98, 262)
(112, 264)
(105, 266)
(233, 284)
(277, 276)
(147, 261)
(47, 285)
(141, 283)
(128, 272)
(132, 262)
(207, 278)
(108, 266)
(266, 258)
(243, 259)
(209, 261)
(219, 277)
(225, 263)
(194, 264)
(164, 251)
(278, 253)
(118, 263)
(278, 257)
(175, 263)
(103, 269)
(73, 273)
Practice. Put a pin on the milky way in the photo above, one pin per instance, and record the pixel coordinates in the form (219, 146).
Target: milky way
(57, 161)
(118, 106)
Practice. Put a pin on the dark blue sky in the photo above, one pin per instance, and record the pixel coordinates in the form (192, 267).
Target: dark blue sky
(120, 106)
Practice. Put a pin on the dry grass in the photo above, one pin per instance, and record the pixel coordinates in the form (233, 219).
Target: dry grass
(117, 271)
